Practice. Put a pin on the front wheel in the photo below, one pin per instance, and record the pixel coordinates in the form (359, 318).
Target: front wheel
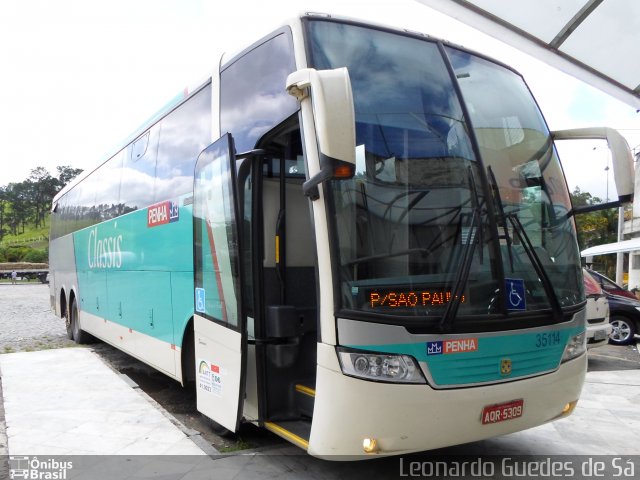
(218, 429)
(622, 331)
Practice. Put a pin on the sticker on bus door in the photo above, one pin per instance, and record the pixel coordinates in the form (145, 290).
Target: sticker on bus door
(209, 378)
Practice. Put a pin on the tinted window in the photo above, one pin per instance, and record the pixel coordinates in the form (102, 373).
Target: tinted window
(216, 237)
(108, 188)
(184, 133)
(157, 165)
(57, 218)
(253, 98)
(70, 212)
(139, 171)
(86, 201)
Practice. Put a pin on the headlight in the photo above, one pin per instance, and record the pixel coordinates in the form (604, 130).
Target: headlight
(577, 346)
(380, 366)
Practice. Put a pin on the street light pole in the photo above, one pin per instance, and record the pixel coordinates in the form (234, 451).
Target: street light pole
(620, 255)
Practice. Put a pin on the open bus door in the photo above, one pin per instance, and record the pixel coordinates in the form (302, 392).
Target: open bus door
(220, 333)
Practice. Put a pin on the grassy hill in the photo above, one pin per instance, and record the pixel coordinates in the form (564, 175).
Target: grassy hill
(32, 245)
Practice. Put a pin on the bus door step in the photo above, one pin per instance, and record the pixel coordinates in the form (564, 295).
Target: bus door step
(295, 431)
(305, 397)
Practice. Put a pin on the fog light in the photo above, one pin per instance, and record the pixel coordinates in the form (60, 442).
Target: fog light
(569, 407)
(370, 445)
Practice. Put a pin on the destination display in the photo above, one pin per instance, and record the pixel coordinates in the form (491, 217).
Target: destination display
(407, 298)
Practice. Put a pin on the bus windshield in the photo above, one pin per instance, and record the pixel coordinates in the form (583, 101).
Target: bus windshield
(458, 196)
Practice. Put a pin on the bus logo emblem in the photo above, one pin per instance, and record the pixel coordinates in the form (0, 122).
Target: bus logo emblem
(163, 213)
(461, 345)
(434, 348)
(505, 367)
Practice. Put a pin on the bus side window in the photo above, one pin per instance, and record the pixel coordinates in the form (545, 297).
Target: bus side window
(184, 133)
(139, 147)
(139, 171)
(108, 188)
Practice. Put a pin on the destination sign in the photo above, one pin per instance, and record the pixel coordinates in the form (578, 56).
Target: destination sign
(410, 298)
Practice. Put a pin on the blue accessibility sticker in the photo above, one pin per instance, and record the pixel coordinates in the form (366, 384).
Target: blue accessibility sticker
(515, 294)
(200, 300)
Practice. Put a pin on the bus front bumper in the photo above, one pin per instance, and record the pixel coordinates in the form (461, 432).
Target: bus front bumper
(403, 418)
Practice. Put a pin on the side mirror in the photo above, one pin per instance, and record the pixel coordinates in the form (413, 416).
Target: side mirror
(331, 97)
(621, 157)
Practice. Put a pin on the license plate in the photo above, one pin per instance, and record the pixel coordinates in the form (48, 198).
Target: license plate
(600, 335)
(502, 412)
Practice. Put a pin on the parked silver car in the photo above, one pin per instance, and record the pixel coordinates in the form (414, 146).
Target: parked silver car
(598, 327)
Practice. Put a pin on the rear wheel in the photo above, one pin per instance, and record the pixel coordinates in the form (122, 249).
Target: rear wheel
(67, 323)
(622, 330)
(79, 335)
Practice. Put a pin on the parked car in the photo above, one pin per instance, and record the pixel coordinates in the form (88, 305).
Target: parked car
(609, 286)
(624, 316)
(598, 327)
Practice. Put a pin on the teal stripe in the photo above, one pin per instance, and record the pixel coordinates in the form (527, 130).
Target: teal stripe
(144, 278)
(526, 352)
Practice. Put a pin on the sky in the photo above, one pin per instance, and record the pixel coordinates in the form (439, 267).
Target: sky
(78, 77)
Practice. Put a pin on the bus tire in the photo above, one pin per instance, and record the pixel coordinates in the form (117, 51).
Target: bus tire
(218, 429)
(79, 336)
(67, 324)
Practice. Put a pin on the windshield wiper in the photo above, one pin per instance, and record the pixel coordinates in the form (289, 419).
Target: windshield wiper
(537, 265)
(528, 247)
(467, 258)
(496, 194)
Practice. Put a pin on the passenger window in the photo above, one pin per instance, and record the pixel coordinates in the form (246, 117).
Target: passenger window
(108, 188)
(185, 132)
(139, 147)
(253, 98)
(139, 172)
(70, 221)
(86, 201)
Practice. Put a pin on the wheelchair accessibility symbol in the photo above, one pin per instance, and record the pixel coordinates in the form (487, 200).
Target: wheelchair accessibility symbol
(515, 293)
(200, 302)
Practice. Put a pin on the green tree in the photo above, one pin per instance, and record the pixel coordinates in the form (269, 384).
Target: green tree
(29, 201)
(42, 188)
(20, 211)
(595, 228)
(66, 174)
(4, 204)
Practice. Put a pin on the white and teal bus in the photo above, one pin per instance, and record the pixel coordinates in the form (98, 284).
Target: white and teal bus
(357, 237)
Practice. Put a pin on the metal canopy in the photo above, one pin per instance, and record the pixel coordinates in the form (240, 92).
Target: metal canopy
(617, 247)
(596, 41)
